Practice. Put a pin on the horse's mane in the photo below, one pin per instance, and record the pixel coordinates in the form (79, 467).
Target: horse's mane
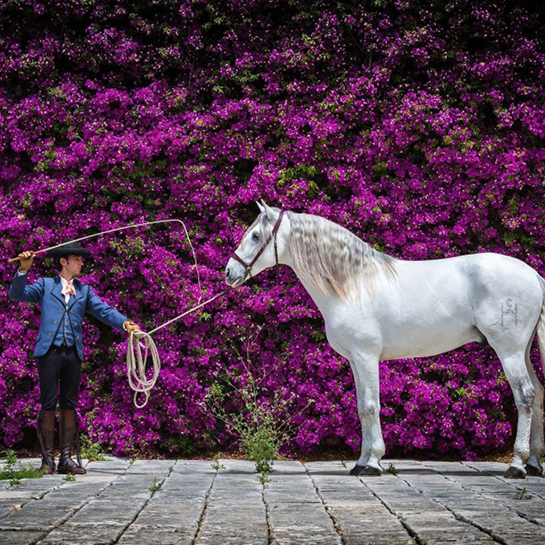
(329, 256)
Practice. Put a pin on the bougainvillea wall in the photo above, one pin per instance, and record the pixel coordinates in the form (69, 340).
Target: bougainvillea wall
(417, 125)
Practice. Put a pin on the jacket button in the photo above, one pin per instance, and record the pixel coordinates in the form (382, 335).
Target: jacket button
(60, 310)
(49, 334)
(77, 337)
(71, 312)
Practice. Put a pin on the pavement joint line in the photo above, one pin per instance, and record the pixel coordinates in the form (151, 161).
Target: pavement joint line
(41, 496)
(511, 482)
(456, 515)
(467, 488)
(338, 529)
(72, 513)
(267, 515)
(171, 469)
(204, 508)
(403, 522)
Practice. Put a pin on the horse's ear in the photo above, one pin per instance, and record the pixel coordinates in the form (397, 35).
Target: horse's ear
(261, 209)
(271, 214)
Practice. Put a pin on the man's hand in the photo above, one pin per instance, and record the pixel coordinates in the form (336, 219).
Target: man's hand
(131, 326)
(26, 259)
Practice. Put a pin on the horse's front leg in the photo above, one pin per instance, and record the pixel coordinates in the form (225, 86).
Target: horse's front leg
(366, 375)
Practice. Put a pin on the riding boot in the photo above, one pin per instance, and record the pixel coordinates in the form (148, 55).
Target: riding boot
(67, 432)
(46, 436)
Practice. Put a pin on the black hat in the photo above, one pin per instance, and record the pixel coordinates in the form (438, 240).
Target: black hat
(69, 248)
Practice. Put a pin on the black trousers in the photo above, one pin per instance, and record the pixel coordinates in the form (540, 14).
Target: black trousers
(60, 365)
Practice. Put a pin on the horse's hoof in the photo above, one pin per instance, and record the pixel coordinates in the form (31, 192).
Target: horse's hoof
(514, 472)
(534, 471)
(369, 471)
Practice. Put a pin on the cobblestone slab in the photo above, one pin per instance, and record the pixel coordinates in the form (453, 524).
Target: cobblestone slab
(172, 515)
(111, 465)
(521, 497)
(150, 467)
(534, 485)
(296, 513)
(19, 537)
(56, 506)
(234, 510)
(193, 502)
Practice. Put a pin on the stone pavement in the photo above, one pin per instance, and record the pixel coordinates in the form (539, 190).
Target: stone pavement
(178, 502)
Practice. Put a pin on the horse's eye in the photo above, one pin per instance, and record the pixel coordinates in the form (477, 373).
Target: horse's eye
(255, 236)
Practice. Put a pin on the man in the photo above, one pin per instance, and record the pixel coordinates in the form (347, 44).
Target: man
(63, 300)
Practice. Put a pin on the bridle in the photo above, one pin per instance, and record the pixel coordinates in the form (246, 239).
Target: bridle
(248, 266)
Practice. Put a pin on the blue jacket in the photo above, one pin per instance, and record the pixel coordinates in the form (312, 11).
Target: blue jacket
(47, 292)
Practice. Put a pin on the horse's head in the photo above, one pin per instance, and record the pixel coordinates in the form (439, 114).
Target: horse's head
(259, 249)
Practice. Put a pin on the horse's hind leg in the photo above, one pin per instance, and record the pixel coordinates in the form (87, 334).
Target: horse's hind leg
(537, 448)
(524, 392)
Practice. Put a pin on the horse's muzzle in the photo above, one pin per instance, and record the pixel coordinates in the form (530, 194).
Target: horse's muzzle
(234, 281)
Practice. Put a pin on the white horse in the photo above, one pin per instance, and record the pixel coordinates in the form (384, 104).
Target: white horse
(377, 307)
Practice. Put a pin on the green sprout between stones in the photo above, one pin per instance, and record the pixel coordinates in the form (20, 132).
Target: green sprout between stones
(216, 464)
(392, 469)
(156, 486)
(15, 471)
(523, 494)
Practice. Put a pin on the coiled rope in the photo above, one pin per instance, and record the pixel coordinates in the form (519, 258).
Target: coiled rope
(138, 352)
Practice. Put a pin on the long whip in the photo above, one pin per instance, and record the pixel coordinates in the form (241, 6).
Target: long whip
(132, 226)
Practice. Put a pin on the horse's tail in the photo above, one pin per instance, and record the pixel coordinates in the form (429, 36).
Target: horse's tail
(541, 327)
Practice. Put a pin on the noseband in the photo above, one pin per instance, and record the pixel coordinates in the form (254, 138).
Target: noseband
(248, 266)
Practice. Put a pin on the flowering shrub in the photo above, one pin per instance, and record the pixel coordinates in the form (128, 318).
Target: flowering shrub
(417, 125)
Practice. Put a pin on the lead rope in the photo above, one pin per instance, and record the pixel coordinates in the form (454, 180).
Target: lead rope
(138, 352)
(136, 364)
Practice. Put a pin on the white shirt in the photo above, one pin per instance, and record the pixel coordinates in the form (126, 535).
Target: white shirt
(64, 283)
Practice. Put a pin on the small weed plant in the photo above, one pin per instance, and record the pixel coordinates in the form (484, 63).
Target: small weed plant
(261, 435)
(523, 494)
(92, 451)
(216, 464)
(392, 469)
(262, 418)
(156, 486)
(15, 471)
